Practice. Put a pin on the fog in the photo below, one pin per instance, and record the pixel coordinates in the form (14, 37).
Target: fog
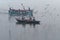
(48, 12)
(5, 4)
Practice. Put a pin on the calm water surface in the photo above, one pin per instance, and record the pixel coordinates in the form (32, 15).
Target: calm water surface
(9, 30)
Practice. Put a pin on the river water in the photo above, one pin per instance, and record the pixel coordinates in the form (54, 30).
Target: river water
(47, 30)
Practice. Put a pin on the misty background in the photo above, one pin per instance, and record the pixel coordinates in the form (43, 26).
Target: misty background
(48, 12)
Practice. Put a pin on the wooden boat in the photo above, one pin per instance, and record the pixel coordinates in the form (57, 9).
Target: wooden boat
(27, 22)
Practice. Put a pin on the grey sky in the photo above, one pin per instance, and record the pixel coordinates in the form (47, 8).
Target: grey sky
(34, 4)
(48, 13)
(6, 3)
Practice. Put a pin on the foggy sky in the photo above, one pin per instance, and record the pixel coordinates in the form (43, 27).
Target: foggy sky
(48, 12)
(34, 4)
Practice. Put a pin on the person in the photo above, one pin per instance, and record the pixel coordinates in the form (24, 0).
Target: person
(33, 18)
(30, 18)
(23, 18)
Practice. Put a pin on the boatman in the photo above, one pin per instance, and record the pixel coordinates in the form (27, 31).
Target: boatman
(23, 18)
(30, 19)
(33, 18)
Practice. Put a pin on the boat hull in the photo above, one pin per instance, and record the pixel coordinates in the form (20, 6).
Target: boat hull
(27, 22)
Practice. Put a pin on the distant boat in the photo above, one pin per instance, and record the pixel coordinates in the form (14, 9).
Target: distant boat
(27, 22)
(20, 12)
(24, 14)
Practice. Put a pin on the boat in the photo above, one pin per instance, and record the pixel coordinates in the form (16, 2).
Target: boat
(27, 22)
(19, 12)
(23, 14)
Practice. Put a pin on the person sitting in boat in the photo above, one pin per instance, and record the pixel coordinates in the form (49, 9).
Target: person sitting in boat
(33, 18)
(30, 19)
(23, 18)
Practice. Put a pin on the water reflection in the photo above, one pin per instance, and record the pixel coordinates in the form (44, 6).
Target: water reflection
(12, 18)
(24, 25)
(23, 31)
(34, 25)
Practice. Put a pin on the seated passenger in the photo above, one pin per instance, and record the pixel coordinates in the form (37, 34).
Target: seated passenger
(23, 18)
(30, 19)
(33, 18)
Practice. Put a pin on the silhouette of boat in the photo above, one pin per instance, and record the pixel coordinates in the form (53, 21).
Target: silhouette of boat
(27, 21)
(24, 13)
